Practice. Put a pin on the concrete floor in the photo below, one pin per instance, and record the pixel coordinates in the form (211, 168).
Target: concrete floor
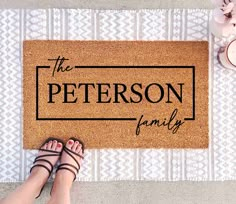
(132, 192)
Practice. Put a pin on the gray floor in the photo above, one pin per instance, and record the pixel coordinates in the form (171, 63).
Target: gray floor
(132, 192)
(144, 192)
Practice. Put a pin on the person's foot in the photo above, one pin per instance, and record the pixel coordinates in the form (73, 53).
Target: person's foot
(64, 177)
(39, 175)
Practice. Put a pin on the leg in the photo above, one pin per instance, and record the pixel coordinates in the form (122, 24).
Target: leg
(61, 189)
(28, 191)
(64, 178)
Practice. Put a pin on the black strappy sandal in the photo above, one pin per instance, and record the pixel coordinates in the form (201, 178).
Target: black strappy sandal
(40, 158)
(70, 152)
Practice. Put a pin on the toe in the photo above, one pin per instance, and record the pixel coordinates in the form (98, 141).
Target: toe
(59, 147)
(69, 144)
(75, 146)
(44, 146)
(54, 145)
(49, 145)
(79, 148)
(81, 153)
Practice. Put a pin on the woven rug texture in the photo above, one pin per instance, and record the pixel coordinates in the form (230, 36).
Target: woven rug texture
(216, 163)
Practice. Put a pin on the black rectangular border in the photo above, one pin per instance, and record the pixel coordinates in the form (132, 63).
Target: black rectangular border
(120, 119)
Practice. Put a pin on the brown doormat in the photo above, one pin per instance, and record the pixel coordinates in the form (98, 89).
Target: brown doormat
(117, 94)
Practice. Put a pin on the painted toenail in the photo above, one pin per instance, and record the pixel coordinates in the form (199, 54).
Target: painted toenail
(59, 145)
(54, 141)
(70, 142)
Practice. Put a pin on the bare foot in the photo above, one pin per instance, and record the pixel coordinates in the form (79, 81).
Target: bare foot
(64, 178)
(39, 175)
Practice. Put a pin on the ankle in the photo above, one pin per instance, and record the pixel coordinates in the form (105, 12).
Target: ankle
(34, 185)
(59, 188)
(65, 177)
(33, 179)
(62, 183)
(38, 176)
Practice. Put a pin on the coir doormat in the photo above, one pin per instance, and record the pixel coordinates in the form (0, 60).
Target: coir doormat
(116, 94)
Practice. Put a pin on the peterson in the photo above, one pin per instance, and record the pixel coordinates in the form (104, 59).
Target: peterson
(114, 92)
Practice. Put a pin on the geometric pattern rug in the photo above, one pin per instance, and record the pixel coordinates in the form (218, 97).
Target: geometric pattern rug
(218, 162)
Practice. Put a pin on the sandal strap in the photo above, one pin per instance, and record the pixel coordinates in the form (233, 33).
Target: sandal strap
(66, 165)
(49, 174)
(79, 155)
(71, 165)
(70, 154)
(41, 165)
(47, 150)
(46, 155)
(44, 160)
(40, 158)
(65, 168)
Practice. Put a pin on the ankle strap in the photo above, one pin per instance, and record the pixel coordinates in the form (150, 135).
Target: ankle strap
(41, 165)
(65, 167)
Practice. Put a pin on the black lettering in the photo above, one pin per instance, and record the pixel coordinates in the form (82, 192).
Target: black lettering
(136, 93)
(100, 93)
(86, 90)
(51, 92)
(161, 93)
(66, 92)
(140, 123)
(120, 92)
(179, 96)
(59, 67)
(169, 123)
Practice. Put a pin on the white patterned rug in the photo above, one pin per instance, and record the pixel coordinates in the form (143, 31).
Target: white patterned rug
(216, 163)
